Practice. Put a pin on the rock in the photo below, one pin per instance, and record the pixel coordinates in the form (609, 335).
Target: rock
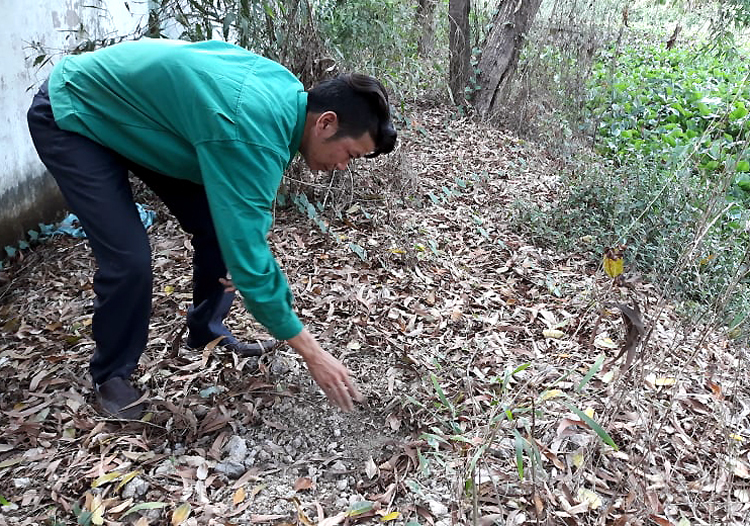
(166, 467)
(342, 503)
(337, 433)
(236, 448)
(135, 489)
(21, 483)
(342, 484)
(437, 508)
(230, 468)
(338, 466)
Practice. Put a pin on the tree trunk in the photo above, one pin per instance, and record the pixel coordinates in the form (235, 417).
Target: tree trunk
(425, 18)
(459, 48)
(502, 49)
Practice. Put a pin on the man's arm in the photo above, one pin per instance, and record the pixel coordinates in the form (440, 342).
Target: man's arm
(241, 184)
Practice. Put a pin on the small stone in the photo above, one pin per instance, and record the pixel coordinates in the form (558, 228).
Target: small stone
(236, 448)
(337, 433)
(338, 466)
(264, 455)
(21, 483)
(342, 503)
(230, 468)
(437, 508)
(297, 442)
(342, 484)
(166, 467)
(136, 488)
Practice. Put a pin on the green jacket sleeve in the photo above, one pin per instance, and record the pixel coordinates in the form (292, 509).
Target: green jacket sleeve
(241, 181)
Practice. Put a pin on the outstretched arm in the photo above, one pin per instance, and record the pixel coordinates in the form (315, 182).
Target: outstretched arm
(329, 373)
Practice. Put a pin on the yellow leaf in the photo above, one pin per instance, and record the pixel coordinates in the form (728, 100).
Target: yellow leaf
(593, 500)
(613, 261)
(181, 513)
(589, 412)
(127, 478)
(168, 289)
(665, 381)
(238, 496)
(257, 489)
(605, 343)
(97, 511)
(109, 477)
(578, 459)
(553, 333)
(391, 516)
(552, 393)
(735, 436)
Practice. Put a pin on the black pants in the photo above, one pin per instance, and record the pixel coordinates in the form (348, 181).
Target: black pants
(94, 181)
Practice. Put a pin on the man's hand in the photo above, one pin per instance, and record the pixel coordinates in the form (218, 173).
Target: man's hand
(329, 373)
(228, 285)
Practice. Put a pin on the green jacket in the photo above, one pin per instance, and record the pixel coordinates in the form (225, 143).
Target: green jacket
(209, 112)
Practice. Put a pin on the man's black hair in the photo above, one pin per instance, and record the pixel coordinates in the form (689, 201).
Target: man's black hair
(361, 104)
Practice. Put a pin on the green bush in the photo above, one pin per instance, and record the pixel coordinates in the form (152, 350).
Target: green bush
(669, 177)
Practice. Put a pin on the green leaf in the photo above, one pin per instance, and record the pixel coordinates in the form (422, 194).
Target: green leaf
(358, 508)
(361, 252)
(593, 425)
(441, 395)
(84, 518)
(519, 453)
(743, 166)
(4, 501)
(145, 506)
(590, 374)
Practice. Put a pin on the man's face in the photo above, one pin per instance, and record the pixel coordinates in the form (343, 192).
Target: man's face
(322, 151)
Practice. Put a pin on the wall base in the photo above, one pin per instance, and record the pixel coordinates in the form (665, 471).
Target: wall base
(23, 207)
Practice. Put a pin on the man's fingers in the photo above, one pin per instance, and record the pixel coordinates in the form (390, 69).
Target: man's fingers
(339, 394)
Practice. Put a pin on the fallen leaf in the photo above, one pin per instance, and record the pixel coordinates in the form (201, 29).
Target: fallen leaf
(359, 507)
(660, 520)
(370, 468)
(109, 477)
(303, 484)
(181, 513)
(553, 333)
(390, 516)
(238, 496)
(588, 496)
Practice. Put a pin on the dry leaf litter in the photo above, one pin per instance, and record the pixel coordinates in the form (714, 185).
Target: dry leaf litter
(487, 364)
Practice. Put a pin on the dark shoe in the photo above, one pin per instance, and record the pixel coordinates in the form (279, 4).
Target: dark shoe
(117, 398)
(248, 349)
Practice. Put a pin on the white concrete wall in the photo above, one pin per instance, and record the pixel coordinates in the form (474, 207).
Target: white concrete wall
(29, 29)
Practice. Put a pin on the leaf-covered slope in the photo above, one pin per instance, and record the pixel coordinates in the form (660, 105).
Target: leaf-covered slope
(488, 366)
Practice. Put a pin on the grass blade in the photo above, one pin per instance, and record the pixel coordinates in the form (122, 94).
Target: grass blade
(593, 425)
(590, 374)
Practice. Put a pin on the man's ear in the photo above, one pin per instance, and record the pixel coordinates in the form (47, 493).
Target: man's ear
(327, 124)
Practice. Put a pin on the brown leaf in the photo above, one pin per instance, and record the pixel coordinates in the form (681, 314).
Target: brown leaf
(303, 484)
(238, 496)
(661, 521)
(634, 331)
